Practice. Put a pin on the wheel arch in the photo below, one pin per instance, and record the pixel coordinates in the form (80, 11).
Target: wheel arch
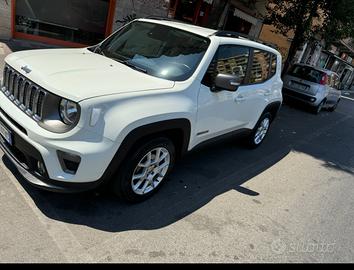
(273, 108)
(178, 130)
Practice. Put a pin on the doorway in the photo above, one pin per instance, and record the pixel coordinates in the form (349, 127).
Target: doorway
(236, 24)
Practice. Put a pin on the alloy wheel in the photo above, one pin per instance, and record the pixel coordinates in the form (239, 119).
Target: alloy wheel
(150, 171)
(262, 131)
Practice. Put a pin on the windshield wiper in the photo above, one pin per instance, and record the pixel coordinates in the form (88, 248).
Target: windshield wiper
(96, 49)
(127, 63)
(99, 50)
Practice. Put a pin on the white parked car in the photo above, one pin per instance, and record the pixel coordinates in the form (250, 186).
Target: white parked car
(316, 87)
(122, 112)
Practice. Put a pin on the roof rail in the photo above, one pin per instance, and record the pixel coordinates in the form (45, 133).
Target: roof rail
(222, 33)
(161, 18)
(232, 34)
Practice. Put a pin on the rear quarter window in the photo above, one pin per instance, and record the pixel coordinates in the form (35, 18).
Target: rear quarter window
(264, 66)
(260, 70)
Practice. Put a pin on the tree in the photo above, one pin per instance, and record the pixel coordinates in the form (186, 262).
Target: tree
(340, 21)
(330, 19)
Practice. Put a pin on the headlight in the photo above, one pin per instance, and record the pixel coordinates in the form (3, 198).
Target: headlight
(69, 111)
(59, 115)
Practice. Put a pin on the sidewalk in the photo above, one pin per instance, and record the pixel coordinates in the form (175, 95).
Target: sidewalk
(4, 51)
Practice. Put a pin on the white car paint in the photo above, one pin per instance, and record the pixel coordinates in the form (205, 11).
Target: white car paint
(124, 99)
(80, 74)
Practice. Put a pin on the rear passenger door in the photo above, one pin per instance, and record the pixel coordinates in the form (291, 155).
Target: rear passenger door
(260, 88)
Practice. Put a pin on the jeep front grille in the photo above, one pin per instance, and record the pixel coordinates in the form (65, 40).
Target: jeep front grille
(26, 95)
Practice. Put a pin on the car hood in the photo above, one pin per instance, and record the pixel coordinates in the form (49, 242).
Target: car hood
(79, 74)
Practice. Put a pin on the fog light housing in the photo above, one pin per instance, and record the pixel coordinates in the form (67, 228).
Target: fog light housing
(69, 162)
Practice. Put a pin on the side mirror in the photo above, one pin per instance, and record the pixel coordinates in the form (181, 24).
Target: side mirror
(226, 82)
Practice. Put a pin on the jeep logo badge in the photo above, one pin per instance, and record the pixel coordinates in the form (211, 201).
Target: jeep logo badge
(26, 69)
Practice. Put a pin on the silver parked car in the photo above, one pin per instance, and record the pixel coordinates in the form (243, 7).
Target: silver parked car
(314, 86)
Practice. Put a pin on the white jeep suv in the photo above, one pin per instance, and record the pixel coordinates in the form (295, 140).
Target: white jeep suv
(122, 112)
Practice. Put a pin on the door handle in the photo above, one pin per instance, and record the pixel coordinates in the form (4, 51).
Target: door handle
(237, 84)
(267, 93)
(239, 99)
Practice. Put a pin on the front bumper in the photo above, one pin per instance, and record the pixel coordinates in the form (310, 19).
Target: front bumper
(33, 144)
(25, 157)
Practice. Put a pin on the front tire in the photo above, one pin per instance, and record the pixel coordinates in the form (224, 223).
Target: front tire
(146, 168)
(260, 131)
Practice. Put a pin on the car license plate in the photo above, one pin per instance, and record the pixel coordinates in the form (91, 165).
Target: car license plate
(300, 86)
(5, 133)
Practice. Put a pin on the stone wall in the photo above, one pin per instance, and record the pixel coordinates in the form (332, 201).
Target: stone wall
(141, 8)
(5, 19)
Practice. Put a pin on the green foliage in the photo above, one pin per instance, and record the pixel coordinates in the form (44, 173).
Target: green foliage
(331, 20)
(340, 21)
(337, 17)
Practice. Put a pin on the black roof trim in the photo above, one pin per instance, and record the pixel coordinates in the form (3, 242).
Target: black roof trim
(161, 18)
(232, 34)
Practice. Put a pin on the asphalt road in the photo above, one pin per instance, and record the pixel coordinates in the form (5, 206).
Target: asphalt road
(291, 200)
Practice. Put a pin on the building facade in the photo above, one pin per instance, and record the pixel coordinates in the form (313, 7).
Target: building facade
(229, 15)
(282, 43)
(5, 19)
(76, 23)
(339, 57)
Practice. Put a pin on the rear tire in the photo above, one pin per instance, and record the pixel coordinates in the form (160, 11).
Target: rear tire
(260, 131)
(316, 110)
(332, 109)
(145, 170)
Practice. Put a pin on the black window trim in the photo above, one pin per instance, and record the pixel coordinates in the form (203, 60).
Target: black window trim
(273, 56)
(249, 65)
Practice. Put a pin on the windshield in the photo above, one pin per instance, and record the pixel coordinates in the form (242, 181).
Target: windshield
(158, 50)
(307, 73)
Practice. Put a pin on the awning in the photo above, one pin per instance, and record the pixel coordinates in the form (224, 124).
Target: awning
(245, 16)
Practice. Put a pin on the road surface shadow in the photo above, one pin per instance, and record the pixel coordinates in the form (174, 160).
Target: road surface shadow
(209, 172)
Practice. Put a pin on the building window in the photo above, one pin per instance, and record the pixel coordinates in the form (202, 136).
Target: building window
(76, 21)
(190, 11)
(186, 10)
